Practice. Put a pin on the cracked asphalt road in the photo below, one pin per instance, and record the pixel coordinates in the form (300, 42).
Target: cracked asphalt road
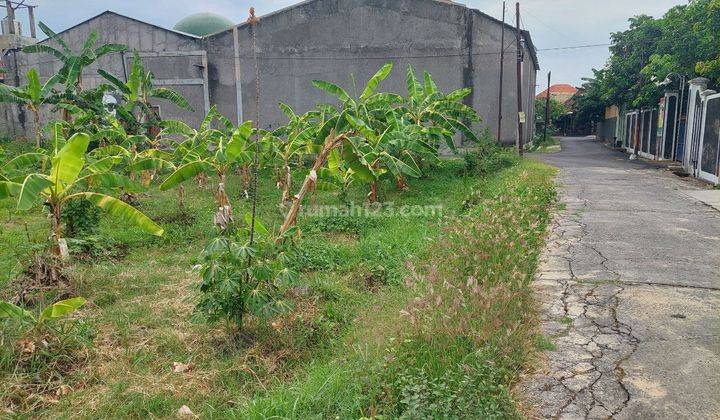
(629, 288)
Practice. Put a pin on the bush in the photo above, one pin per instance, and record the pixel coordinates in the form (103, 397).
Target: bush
(81, 218)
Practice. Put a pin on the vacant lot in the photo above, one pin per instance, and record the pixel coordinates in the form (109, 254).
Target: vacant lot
(395, 312)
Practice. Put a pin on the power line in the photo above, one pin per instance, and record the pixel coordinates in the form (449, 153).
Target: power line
(574, 47)
(227, 57)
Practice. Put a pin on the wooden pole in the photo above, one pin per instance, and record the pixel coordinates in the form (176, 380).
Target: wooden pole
(31, 19)
(502, 75)
(547, 109)
(520, 142)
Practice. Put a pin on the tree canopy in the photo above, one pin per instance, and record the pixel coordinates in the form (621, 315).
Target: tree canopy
(686, 41)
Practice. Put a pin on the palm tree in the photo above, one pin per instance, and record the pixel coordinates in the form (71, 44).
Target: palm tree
(33, 95)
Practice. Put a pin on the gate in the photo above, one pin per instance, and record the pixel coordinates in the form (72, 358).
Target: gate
(709, 147)
(669, 133)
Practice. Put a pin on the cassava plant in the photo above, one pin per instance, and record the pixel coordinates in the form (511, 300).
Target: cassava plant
(240, 277)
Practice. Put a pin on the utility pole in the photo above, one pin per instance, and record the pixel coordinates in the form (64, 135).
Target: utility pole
(547, 109)
(521, 116)
(502, 74)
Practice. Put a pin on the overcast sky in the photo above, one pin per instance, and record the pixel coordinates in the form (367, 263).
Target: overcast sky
(552, 23)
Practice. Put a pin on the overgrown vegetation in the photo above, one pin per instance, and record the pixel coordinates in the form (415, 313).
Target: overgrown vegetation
(683, 42)
(382, 283)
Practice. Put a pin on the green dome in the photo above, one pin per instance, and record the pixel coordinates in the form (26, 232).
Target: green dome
(202, 24)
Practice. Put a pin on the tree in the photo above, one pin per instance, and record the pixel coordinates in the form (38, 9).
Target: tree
(33, 96)
(137, 92)
(557, 110)
(67, 181)
(73, 63)
(215, 152)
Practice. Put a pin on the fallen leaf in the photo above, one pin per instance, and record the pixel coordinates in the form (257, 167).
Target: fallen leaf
(63, 390)
(27, 345)
(185, 412)
(178, 367)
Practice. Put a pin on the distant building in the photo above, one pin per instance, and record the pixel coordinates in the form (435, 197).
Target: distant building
(562, 93)
(210, 61)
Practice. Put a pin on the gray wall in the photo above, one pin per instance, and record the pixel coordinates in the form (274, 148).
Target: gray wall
(148, 39)
(331, 39)
(316, 39)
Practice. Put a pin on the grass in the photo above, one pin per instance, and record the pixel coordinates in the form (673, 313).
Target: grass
(358, 342)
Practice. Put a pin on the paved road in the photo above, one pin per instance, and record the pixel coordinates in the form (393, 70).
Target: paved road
(630, 292)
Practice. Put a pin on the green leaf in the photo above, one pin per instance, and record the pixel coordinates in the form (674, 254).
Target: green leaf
(151, 163)
(185, 172)
(12, 95)
(9, 189)
(429, 86)
(109, 48)
(245, 130)
(176, 127)
(61, 309)
(33, 85)
(413, 86)
(31, 190)
(69, 161)
(374, 81)
(111, 180)
(52, 35)
(8, 310)
(121, 211)
(458, 94)
(23, 161)
(359, 168)
(42, 48)
(332, 89)
(117, 83)
(289, 113)
(104, 164)
(259, 227)
(172, 96)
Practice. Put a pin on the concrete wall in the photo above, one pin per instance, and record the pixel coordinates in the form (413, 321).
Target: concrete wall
(331, 39)
(316, 39)
(114, 28)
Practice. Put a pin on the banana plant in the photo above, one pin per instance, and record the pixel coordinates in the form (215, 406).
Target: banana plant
(55, 311)
(376, 143)
(437, 116)
(32, 96)
(137, 93)
(217, 155)
(69, 179)
(290, 143)
(73, 63)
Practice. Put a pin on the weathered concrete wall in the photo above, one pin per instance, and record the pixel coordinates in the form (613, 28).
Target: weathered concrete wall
(114, 28)
(317, 39)
(331, 39)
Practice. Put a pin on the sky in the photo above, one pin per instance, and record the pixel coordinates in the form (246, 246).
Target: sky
(552, 23)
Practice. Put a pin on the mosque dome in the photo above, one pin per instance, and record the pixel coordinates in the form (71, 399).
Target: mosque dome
(202, 24)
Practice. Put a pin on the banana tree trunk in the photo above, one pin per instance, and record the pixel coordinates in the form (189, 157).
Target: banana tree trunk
(223, 217)
(36, 118)
(181, 197)
(331, 143)
(59, 245)
(287, 184)
(402, 183)
(245, 177)
(373, 195)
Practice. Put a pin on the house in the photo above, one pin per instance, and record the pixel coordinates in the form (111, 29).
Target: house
(314, 39)
(562, 93)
